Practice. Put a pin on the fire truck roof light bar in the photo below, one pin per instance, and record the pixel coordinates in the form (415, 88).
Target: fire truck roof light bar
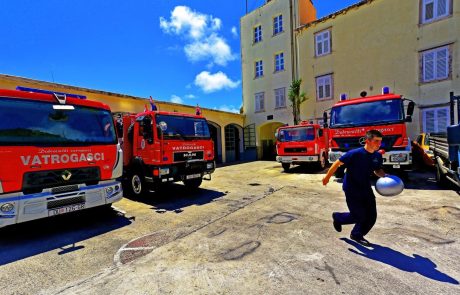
(386, 90)
(27, 89)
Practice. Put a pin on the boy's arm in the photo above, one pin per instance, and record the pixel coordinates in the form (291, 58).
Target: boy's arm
(331, 171)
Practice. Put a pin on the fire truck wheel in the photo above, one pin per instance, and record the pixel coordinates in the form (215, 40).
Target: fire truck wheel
(286, 166)
(441, 179)
(340, 172)
(192, 184)
(322, 162)
(137, 186)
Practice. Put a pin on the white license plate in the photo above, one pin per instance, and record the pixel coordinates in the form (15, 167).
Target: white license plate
(66, 209)
(396, 166)
(193, 176)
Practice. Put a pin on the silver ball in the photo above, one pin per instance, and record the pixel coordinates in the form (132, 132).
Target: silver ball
(389, 186)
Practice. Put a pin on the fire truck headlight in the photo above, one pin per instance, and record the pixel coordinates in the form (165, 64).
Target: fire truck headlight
(109, 190)
(398, 158)
(8, 207)
(209, 165)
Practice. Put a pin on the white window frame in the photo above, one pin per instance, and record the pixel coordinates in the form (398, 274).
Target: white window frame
(277, 24)
(321, 85)
(436, 122)
(436, 14)
(280, 98)
(323, 39)
(257, 34)
(258, 69)
(279, 62)
(259, 99)
(438, 59)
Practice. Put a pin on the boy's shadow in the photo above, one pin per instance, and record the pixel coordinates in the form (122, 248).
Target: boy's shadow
(418, 264)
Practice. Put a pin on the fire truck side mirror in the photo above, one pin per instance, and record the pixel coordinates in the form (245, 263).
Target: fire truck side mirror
(325, 120)
(410, 111)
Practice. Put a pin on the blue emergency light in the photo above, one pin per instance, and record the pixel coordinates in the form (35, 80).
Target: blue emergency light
(35, 90)
(343, 96)
(386, 90)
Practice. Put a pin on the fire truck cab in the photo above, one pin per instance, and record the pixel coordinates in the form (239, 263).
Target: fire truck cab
(303, 144)
(58, 153)
(161, 147)
(350, 119)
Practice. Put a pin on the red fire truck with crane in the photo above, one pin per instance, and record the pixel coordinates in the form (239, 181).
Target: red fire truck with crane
(162, 147)
(303, 144)
(58, 153)
(350, 119)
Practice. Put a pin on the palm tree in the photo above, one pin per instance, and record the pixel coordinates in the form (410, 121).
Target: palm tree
(297, 98)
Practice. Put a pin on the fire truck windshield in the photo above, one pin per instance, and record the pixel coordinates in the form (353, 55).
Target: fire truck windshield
(296, 134)
(378, 112)
(183, 127)
(25, 122)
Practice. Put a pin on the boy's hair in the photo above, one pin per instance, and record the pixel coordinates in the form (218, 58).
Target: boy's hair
(373, 133)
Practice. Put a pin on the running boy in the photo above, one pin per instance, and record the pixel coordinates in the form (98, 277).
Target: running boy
(360, 164)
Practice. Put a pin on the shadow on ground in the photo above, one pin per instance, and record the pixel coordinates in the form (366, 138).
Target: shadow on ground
(174, 197)
(416, 264)
(60, 232)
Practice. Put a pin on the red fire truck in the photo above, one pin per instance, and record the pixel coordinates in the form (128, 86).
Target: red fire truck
(58, 154)
(302, 144)
(352, 118)
(161, 147)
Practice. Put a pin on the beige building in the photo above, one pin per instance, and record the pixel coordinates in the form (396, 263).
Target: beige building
(226, 128)
(411, 46)
(268, 58)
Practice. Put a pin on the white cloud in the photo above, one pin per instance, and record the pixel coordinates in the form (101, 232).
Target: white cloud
(212, 47)
(234, 32)
(190, 96)
(201, 32)
(176, 99)
(230, 109)
(214, 82)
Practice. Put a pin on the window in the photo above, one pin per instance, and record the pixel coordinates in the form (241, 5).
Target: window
(435, 64)
(323, 43)
(260, 107)
(277, 24)
(435, 119)
(280, 98)
(324, 87)
(259, 69)
(257, 34)
(435, 9)
(279, 62)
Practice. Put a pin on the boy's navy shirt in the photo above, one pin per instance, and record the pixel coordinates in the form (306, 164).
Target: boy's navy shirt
(360, 165)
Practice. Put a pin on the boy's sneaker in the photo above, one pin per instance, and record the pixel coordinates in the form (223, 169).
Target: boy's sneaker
(360, 240)
(337, 226)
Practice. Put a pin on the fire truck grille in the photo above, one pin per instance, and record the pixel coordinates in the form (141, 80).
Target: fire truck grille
(37, 181)
(295, 150)
(65, 202)
(353, 142)
(184, 156)
(64, 189)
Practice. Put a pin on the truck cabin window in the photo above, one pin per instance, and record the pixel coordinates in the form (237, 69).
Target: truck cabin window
(296, 134)
(26, 122)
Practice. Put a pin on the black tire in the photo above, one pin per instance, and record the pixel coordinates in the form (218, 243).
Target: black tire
(441, 179)
(340, 172)
(193, 184)
(286, 166)
(321, 164)
(136, 185)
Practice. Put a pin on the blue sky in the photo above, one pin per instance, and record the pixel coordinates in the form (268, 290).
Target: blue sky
(181, 51)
